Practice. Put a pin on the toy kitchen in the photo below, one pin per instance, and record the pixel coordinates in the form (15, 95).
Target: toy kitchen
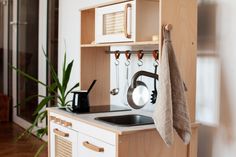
(121, 55)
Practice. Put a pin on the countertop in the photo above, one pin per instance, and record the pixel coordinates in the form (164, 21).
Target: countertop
(90, 119)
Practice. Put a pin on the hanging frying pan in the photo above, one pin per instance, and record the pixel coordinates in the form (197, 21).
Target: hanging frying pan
(138, 94)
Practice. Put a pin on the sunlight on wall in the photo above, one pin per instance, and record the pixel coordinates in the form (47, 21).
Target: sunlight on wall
(216, 33)
(208, 86)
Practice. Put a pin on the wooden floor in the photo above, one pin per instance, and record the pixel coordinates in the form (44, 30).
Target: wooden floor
(23, 148)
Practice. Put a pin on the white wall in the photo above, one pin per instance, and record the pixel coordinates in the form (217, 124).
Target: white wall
(69, 35)
(42, 44)
(217, 33)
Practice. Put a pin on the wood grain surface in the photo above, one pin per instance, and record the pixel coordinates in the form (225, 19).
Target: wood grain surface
(23, 148)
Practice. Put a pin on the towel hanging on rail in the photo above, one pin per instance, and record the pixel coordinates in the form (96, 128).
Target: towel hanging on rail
(171, 111)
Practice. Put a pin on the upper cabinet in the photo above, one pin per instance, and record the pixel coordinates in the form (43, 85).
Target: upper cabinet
(115, 23)
(126, 22)
(137, 24)
(129, 21)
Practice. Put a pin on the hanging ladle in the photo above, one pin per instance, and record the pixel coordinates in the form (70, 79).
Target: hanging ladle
(140, 55)
(115, 91)
(127, 64)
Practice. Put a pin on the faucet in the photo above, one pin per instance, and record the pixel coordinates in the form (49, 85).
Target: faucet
(142, 73)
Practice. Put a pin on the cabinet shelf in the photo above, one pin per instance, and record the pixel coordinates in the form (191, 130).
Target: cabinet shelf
(122, 44)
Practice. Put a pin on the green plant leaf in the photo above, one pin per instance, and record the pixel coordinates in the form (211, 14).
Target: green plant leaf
(42, 104)
(68, 102)
(37, 118)
(53, 86)
(28, 76)
(75, 86)
(53, 71)
(55, 78)
(44, 115)
(57, 91)
(67, 75)
(41, 132)
(63, 89)
(28, 131)
(30, 98)
(41, 148)
(64, 67)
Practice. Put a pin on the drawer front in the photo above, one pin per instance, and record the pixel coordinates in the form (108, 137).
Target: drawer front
(91, 147)
(96, 132)
(63, 141)
(87, 129)
(62, 120)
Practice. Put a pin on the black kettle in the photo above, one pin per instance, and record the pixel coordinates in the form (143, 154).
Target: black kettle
(80, 103)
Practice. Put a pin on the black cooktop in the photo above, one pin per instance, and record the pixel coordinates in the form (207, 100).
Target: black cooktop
(103, 108)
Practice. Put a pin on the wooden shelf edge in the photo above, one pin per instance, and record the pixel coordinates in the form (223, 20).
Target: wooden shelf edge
(122, 44)
(108, 3)
(103, 4)
(195, 124)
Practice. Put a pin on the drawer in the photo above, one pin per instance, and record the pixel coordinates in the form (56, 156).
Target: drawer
(63, 141)
(96, 132)
(62, 120)
(91, 147)
(85, 128)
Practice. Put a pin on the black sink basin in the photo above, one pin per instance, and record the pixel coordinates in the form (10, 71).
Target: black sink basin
(127, 120)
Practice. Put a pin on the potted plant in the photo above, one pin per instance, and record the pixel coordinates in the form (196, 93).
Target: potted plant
(58, 91)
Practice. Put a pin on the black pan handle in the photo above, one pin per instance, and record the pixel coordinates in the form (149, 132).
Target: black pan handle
(91, 86)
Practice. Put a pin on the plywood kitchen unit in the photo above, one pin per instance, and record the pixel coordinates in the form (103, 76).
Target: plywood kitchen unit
(80, 135)
(143, 141)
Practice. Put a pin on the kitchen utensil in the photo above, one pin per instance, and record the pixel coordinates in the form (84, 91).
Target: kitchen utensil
(154, 92)
(80, 101)
(115, 91)
(155, 64)
(138, 94)
(91, 86)
(140, 55)
(127, 63)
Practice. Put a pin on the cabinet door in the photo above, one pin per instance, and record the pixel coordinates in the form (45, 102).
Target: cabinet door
(91, 147)
(115, 23)
(63, 141)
